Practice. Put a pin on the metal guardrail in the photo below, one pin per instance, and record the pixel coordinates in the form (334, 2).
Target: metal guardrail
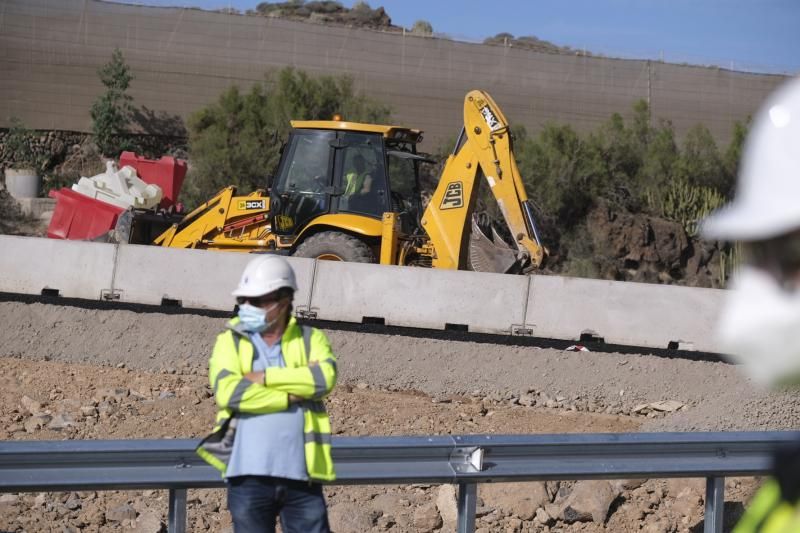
(462, 460)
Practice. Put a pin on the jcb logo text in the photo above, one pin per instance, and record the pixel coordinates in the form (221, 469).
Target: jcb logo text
(283, 222)
(453, 196)
(252, 204)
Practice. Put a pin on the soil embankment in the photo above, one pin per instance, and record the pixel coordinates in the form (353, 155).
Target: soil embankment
(77, 373)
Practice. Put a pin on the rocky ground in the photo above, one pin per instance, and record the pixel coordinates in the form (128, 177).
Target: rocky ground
(47, 400)
(86, 373)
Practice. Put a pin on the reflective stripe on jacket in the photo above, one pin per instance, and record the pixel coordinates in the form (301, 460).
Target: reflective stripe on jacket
(233, 357)
(769, 512)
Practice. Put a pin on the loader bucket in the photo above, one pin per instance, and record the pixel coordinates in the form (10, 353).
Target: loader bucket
(489, 254)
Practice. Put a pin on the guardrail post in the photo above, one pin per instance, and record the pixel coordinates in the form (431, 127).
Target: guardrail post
(177, 511)
(715, 504)
(467, 504)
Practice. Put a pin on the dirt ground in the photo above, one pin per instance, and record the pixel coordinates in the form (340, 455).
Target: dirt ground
(47, 400)
(86, 373)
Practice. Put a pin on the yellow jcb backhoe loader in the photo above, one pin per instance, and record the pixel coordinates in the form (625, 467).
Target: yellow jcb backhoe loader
(350, 192)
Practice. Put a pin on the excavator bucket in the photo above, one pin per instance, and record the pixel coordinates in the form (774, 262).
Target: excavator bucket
(489, 254)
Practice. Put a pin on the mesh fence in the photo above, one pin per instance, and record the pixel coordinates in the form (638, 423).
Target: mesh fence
(182, 59)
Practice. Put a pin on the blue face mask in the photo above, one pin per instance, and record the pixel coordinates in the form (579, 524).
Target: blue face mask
(252, 318)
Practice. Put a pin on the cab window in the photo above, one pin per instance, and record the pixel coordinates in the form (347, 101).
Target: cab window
(363, 175)
(307, 160)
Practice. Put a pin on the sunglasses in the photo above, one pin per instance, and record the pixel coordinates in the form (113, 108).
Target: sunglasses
(258, 301)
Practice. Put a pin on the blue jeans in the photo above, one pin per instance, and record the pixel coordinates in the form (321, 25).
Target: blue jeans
(256, 501)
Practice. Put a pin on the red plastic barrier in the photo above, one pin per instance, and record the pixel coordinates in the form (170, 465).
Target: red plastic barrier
(167, 173)
(78, 217)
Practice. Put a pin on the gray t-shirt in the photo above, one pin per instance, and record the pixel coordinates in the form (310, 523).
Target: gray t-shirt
(271, 444)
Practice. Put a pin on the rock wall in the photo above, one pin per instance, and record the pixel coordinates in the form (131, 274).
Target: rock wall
(67, 155)
(639, 247)
(54, 145)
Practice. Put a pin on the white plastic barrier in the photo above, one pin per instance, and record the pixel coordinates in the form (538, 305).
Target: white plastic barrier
(418, 297)
(190, 278)
(627, 313)
(120, 187)
(30, 265)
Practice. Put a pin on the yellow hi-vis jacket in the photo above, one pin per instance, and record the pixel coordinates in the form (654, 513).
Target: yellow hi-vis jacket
(354, 182)
(770, 512)
(233, 357)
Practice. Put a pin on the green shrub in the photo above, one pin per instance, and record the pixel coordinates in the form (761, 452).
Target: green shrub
(700, 163)
(422, 27)
(236, 141)
(660, 155)
(20, 152)
(558, 172)
(632, 165)
(733, 154)
(111, 111)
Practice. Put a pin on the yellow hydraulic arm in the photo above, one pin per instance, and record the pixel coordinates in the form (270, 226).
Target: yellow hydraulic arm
(484, 148)
(225, 222)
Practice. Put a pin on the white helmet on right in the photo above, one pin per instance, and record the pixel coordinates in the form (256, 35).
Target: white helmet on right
(767, 202)
(264, 274)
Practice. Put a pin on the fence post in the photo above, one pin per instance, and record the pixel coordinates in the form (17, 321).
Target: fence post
(177, 511)
(467, 504)
(715, 504)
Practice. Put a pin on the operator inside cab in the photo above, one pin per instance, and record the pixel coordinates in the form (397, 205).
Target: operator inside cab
(358, 180)
(358, 186)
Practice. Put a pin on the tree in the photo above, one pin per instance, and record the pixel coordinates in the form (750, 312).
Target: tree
(700, 163)
(558, 171)
(660, 155)
(733, 154)
(618, 152)
(236, 141)
(422, 27)
(111, 111)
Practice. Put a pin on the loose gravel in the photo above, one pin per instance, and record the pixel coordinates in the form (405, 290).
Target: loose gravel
(715, 396)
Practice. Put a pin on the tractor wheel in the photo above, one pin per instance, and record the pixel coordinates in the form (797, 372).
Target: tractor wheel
(335, 246)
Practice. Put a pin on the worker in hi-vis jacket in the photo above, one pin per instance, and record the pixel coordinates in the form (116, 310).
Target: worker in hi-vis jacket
(760, 322)
(272, 441)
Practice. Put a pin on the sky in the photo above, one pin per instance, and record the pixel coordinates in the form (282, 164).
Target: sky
(752, 35)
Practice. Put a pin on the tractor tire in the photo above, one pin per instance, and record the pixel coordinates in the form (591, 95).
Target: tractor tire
(335, 246)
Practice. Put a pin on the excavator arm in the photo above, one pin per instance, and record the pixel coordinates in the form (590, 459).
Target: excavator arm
(484, 150)
(225, 222)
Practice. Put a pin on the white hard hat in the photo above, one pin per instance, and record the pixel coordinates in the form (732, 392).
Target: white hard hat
(265, 274)
(767, 202)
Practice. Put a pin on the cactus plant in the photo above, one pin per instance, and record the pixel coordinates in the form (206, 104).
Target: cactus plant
(729, 259)
(689, 204)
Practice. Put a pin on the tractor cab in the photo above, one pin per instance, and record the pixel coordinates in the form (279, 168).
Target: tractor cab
(336, 167)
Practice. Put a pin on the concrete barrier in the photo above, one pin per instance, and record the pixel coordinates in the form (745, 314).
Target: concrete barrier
(418, 297)
(627, 313)
(189, 278)
(30, 265)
